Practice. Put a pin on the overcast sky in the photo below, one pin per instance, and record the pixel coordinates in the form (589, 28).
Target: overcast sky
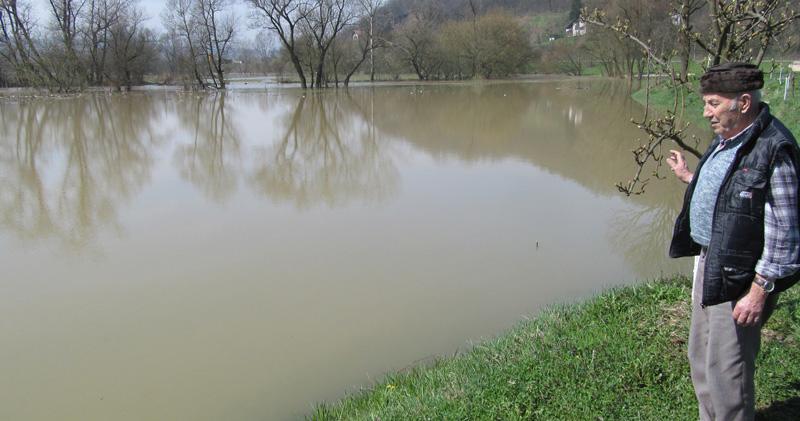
(153, 9)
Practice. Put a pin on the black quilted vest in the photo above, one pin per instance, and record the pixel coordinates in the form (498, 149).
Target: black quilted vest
(737, 228)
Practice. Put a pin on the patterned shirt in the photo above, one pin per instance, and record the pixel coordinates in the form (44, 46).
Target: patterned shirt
(781, 227)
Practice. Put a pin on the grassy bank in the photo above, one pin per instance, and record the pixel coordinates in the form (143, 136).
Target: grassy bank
(620, 355)
(788, 111)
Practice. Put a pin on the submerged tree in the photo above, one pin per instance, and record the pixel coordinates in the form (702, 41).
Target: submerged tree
(72, 51)
(65, 15)
(324, 20)
(357, 47)
(18, 47)
(216, 34)
(370, 11)
(284, 18)
(416, 39)
(131, 48)
(183, 35)
(101, 16)
(201, 34)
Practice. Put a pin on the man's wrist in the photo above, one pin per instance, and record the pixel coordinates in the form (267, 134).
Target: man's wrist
(766, 284)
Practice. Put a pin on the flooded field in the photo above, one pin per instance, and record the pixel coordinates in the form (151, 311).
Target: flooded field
(244, 255)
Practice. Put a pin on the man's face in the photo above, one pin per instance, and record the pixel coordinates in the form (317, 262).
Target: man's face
(723, 113)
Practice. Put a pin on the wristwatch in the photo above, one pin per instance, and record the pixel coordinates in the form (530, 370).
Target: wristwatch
(766, 284)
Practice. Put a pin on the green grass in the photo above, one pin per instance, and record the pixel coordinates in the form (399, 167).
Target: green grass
(787, 111)
(621, 355)
(662, 97)
(549, 20)
(596, 70)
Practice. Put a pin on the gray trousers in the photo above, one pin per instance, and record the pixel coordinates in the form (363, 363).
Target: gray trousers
(722, 356)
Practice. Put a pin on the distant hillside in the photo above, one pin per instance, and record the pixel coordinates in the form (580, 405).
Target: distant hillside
(456, 9)
(542, 25)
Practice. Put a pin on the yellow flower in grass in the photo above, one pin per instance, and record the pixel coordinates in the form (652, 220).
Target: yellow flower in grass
(391, 387)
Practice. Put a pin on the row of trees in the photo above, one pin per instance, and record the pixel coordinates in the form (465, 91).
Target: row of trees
(326, 42)
(323, 42)
(87, 42)
(490, 45)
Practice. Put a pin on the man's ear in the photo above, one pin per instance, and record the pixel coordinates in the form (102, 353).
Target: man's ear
(745, 103)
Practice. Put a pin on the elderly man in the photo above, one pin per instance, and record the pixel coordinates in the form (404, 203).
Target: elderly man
(740, 215)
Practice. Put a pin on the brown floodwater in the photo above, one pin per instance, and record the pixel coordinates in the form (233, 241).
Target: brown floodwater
(245, 255)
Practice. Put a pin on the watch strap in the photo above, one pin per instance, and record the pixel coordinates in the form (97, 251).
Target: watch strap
(765, 283)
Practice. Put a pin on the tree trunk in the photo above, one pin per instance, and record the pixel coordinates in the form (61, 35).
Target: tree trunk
(321, 67)
(371, 50)
(417, 69)
(298, 67)
(684, 41)
(355, 68)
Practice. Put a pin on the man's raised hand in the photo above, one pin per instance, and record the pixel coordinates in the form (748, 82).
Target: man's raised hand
(678, 166)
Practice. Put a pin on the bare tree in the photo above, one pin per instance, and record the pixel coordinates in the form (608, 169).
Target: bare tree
(65, 15)
(217, 32)
(416, 40)
(569, 56)
(324, 20)
(18, 47)
(74, 49)
(265, 50)
(489, 45)
(370, 8)
(130, 47)
(356, 45)
(741, 27)
(363, 46)
(100, 17)
(684, 13)
(283, 17)
(179, 20)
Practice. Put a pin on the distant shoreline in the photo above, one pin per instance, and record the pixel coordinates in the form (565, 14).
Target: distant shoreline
(238, 83)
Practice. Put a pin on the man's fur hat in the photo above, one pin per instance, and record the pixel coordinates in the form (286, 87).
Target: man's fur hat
(732, 78)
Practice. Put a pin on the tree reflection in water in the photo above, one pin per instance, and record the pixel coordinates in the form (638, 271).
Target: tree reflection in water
(329, 153)
(67, 165)
(213, 158)
(573, 129)
(643, 235)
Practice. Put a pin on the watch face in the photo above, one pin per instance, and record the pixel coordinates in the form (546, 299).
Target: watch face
(765, 284)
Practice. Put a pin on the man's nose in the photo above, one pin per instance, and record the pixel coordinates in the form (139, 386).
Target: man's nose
(707, 112)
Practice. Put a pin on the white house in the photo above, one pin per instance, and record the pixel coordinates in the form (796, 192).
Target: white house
(575, 28)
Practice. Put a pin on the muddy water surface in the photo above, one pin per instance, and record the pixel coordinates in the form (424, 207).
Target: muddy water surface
(242, 256)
